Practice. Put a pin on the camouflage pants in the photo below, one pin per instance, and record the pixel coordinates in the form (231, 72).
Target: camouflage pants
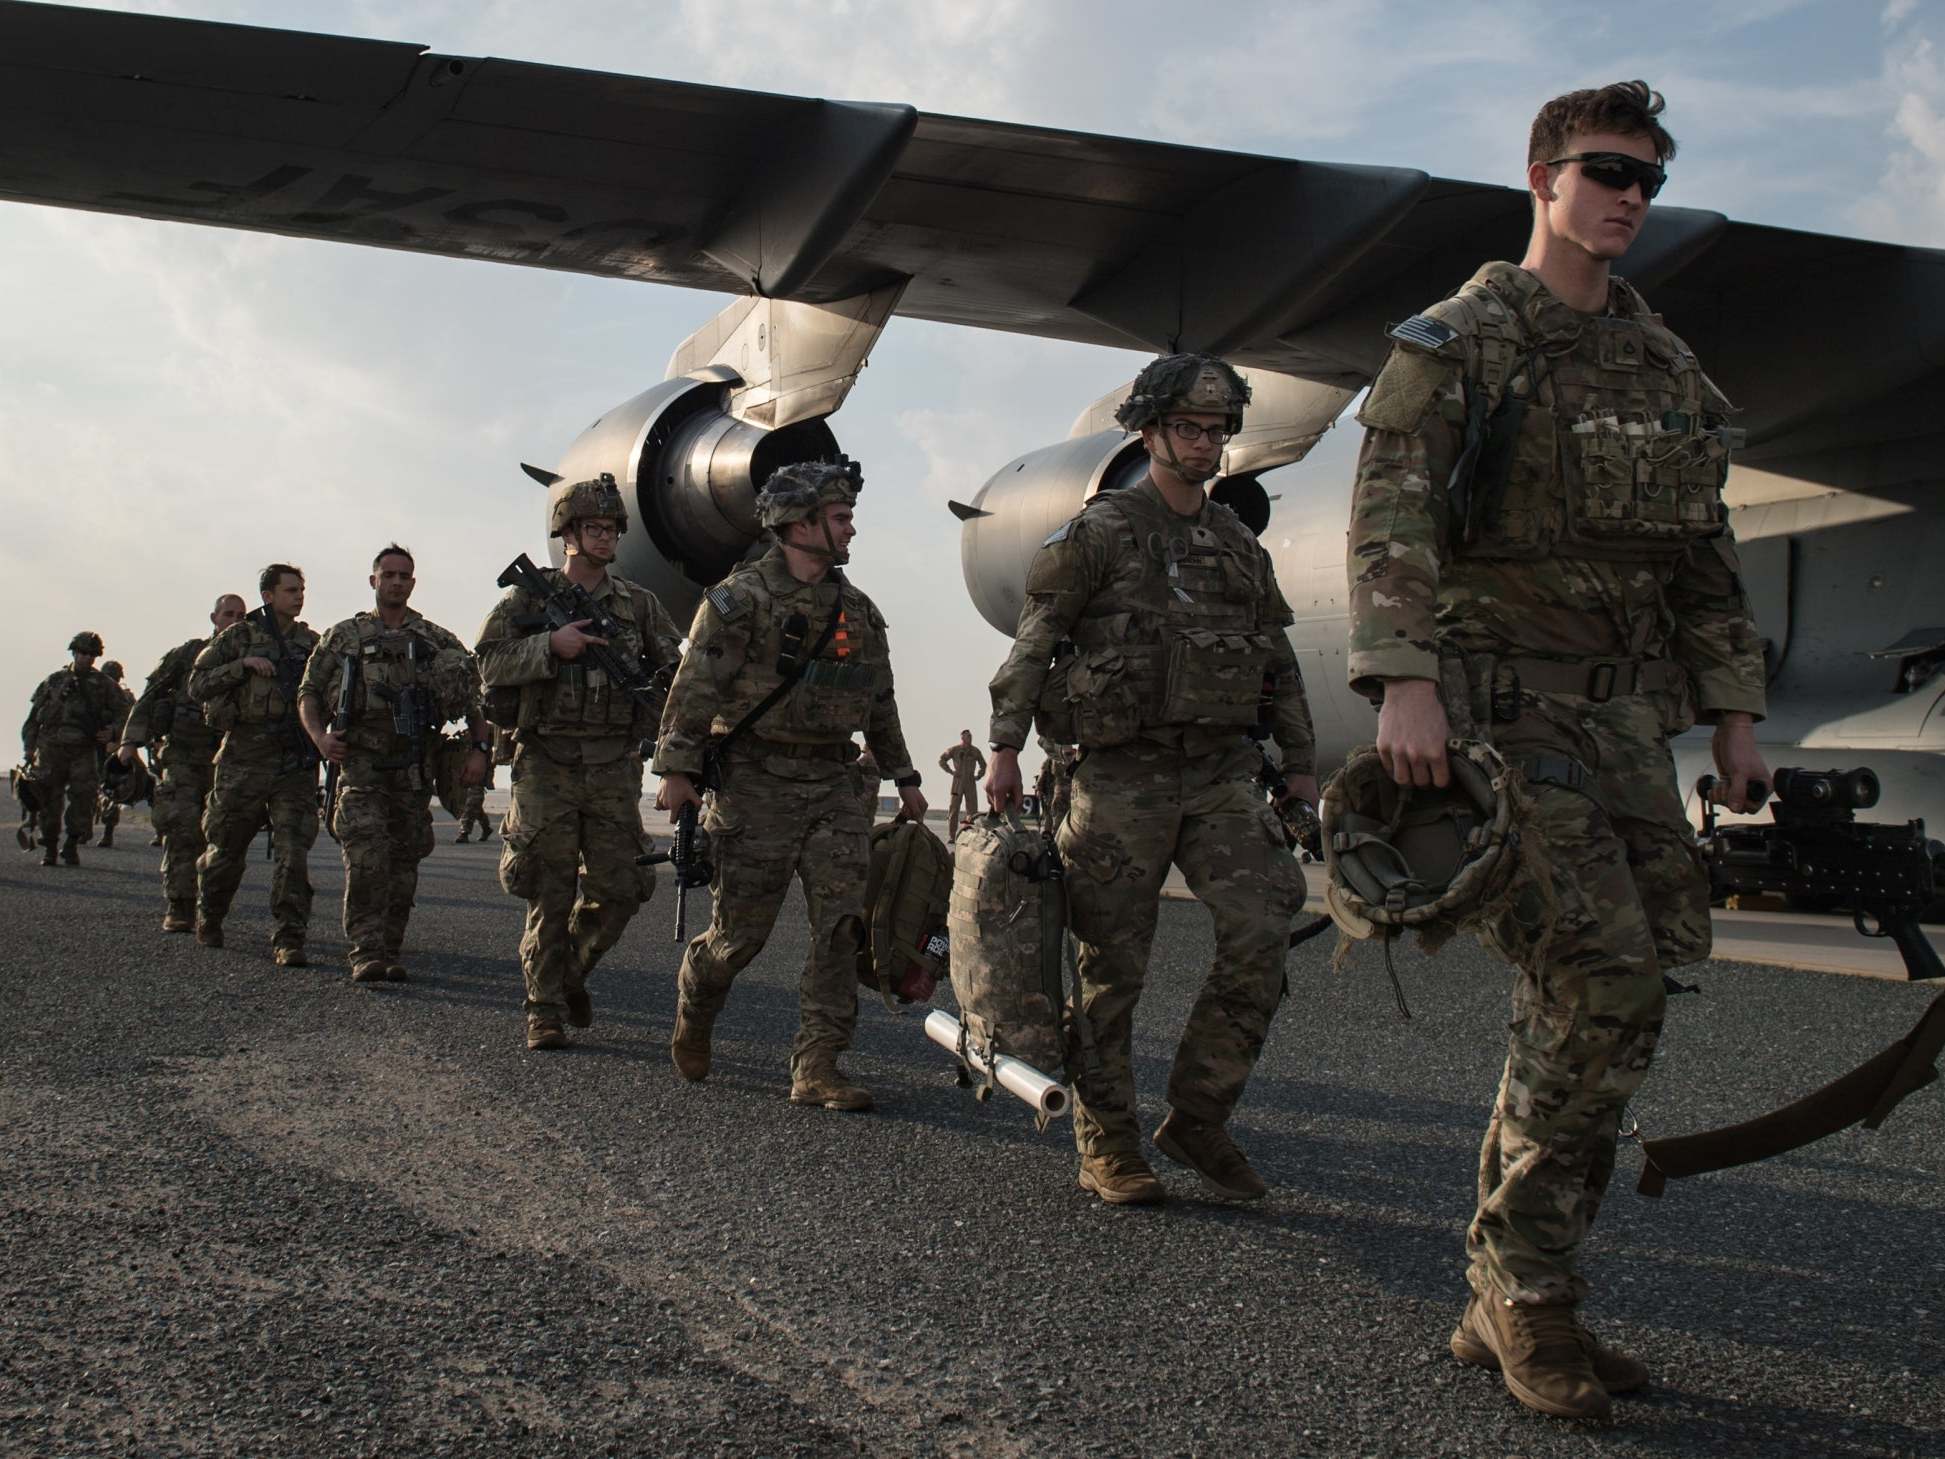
(69, 776)
(473, 813)
(572, 837)
(180, 797)
(384, 829)
(963, 805)
(776, 819)
(1135, 809)
(1632, 901)
(241, 794)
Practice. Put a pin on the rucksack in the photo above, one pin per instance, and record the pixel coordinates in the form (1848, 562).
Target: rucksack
(905, 895)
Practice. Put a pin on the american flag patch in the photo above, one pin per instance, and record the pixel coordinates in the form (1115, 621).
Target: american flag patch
(1427, 334)
(727, 605)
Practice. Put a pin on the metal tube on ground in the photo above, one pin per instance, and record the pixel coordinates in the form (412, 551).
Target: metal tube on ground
(1016, 1077)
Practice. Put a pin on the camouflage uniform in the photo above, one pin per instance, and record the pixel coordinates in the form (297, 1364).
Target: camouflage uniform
(383, 815)
(574, 830)
(870, 780)
(1585, 588)
(1055, 784)
(473, 812)
(110, 808)
(266, 766)
(966, 765)
(1175, 622)
(166, 712)
(62, 736)
(791, 802)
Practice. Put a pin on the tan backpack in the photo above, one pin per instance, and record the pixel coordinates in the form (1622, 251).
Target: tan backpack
(905, 895)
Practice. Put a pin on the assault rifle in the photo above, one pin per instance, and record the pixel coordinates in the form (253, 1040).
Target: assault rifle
(340, 722)
(1817, 853)
(415, 714)
(299, 752)
(691, 863)
(572, 603)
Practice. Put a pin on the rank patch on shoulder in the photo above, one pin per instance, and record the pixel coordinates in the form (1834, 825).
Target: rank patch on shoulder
(1427, 334)
(1059, 534)
(729, 607)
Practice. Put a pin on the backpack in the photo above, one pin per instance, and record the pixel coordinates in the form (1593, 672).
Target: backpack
(906, 890)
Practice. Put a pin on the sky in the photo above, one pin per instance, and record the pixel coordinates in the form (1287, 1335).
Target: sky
(183, 404)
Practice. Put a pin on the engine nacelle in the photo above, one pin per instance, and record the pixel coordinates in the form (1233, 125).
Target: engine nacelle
(1023, 502)
(689, 473)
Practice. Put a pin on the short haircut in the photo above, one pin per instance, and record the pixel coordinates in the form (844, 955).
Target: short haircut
(1627, 107)
(222, 598)
(392, 549)
(271, 576)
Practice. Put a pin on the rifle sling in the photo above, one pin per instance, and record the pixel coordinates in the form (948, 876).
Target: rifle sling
(769, 701)
(1867, 1094)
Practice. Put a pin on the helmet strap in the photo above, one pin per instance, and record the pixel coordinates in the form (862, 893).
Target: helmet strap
(1175, 462)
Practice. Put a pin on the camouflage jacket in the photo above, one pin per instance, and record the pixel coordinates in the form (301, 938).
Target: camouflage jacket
(165, 711)
(256, 713)
(1169, 630)
(1606, 537)
(418, 655)
(569, 709)
(745, 630)
(72, 707)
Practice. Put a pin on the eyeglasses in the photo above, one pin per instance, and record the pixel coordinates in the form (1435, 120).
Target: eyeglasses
(599, 529)
(1189, 432)
(1618, 171)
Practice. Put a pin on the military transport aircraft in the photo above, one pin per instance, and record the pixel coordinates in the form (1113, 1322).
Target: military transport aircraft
(829, 218)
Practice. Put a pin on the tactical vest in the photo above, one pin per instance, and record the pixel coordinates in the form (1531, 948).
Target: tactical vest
(832, 700)
(391, 662)
(1610, 445)
(71, 713)
(1178, 642)
(579, 701)
(260, 699)
(175, 718)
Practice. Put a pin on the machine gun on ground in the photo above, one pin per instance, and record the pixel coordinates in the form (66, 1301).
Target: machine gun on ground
(1817, 853)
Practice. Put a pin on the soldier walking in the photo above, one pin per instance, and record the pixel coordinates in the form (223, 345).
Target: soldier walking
(72, 715)
(167, 713)
(787, 662)
(473, 812)
(1539, 517)
(574, 832)
(246, 681)
(408, 677)
(965, 764)
(1177, 625)
(110, 808)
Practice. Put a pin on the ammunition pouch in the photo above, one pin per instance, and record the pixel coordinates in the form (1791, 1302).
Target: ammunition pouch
(1053, 714)
(1213, 678)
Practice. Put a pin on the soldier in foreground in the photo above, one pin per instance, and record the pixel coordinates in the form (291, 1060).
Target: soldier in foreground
(73, 714)
(409, 677)
(246, 681)
(787, 661)
(965, 764)
(111, 809)
(574, 831)
(1539, 518)
(167, 713)
(1176, 620)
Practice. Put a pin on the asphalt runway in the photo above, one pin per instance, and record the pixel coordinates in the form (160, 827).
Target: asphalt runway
(249, 1210)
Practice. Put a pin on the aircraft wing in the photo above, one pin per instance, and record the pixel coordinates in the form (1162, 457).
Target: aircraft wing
(1288, 265)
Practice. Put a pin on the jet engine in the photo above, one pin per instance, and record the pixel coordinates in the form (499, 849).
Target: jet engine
(689, 472)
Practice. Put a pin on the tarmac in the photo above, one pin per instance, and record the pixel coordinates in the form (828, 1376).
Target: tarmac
(246, 1210)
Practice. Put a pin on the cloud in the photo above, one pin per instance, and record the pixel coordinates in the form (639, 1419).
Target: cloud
(1909, 201)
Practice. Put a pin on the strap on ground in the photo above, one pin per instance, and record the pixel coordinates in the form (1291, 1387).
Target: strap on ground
(1865, 1095)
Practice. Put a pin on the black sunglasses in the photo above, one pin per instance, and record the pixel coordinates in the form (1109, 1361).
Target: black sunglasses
(1618, 171)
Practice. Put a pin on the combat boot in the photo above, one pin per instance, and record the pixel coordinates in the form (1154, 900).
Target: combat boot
(289, 957)
(1619, 1372)
(396, 972)
(545, 1032)
(49, 857)
(156, 839)
(1121, 1179)
(690, 1046)
(107, 841)
(580, 1009)
(818, 1083)
(461, 839)
(1539, 1353)
(368, 972)
(181, 917)
(1211, 1154)
(209, 934)
(70, 853)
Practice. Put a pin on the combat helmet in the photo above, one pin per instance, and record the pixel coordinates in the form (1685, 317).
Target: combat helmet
(797, 492)
(1428, 858)
(599, 497)
(125, 784)
(87, 641)
(113, 669)
(1185, 382)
